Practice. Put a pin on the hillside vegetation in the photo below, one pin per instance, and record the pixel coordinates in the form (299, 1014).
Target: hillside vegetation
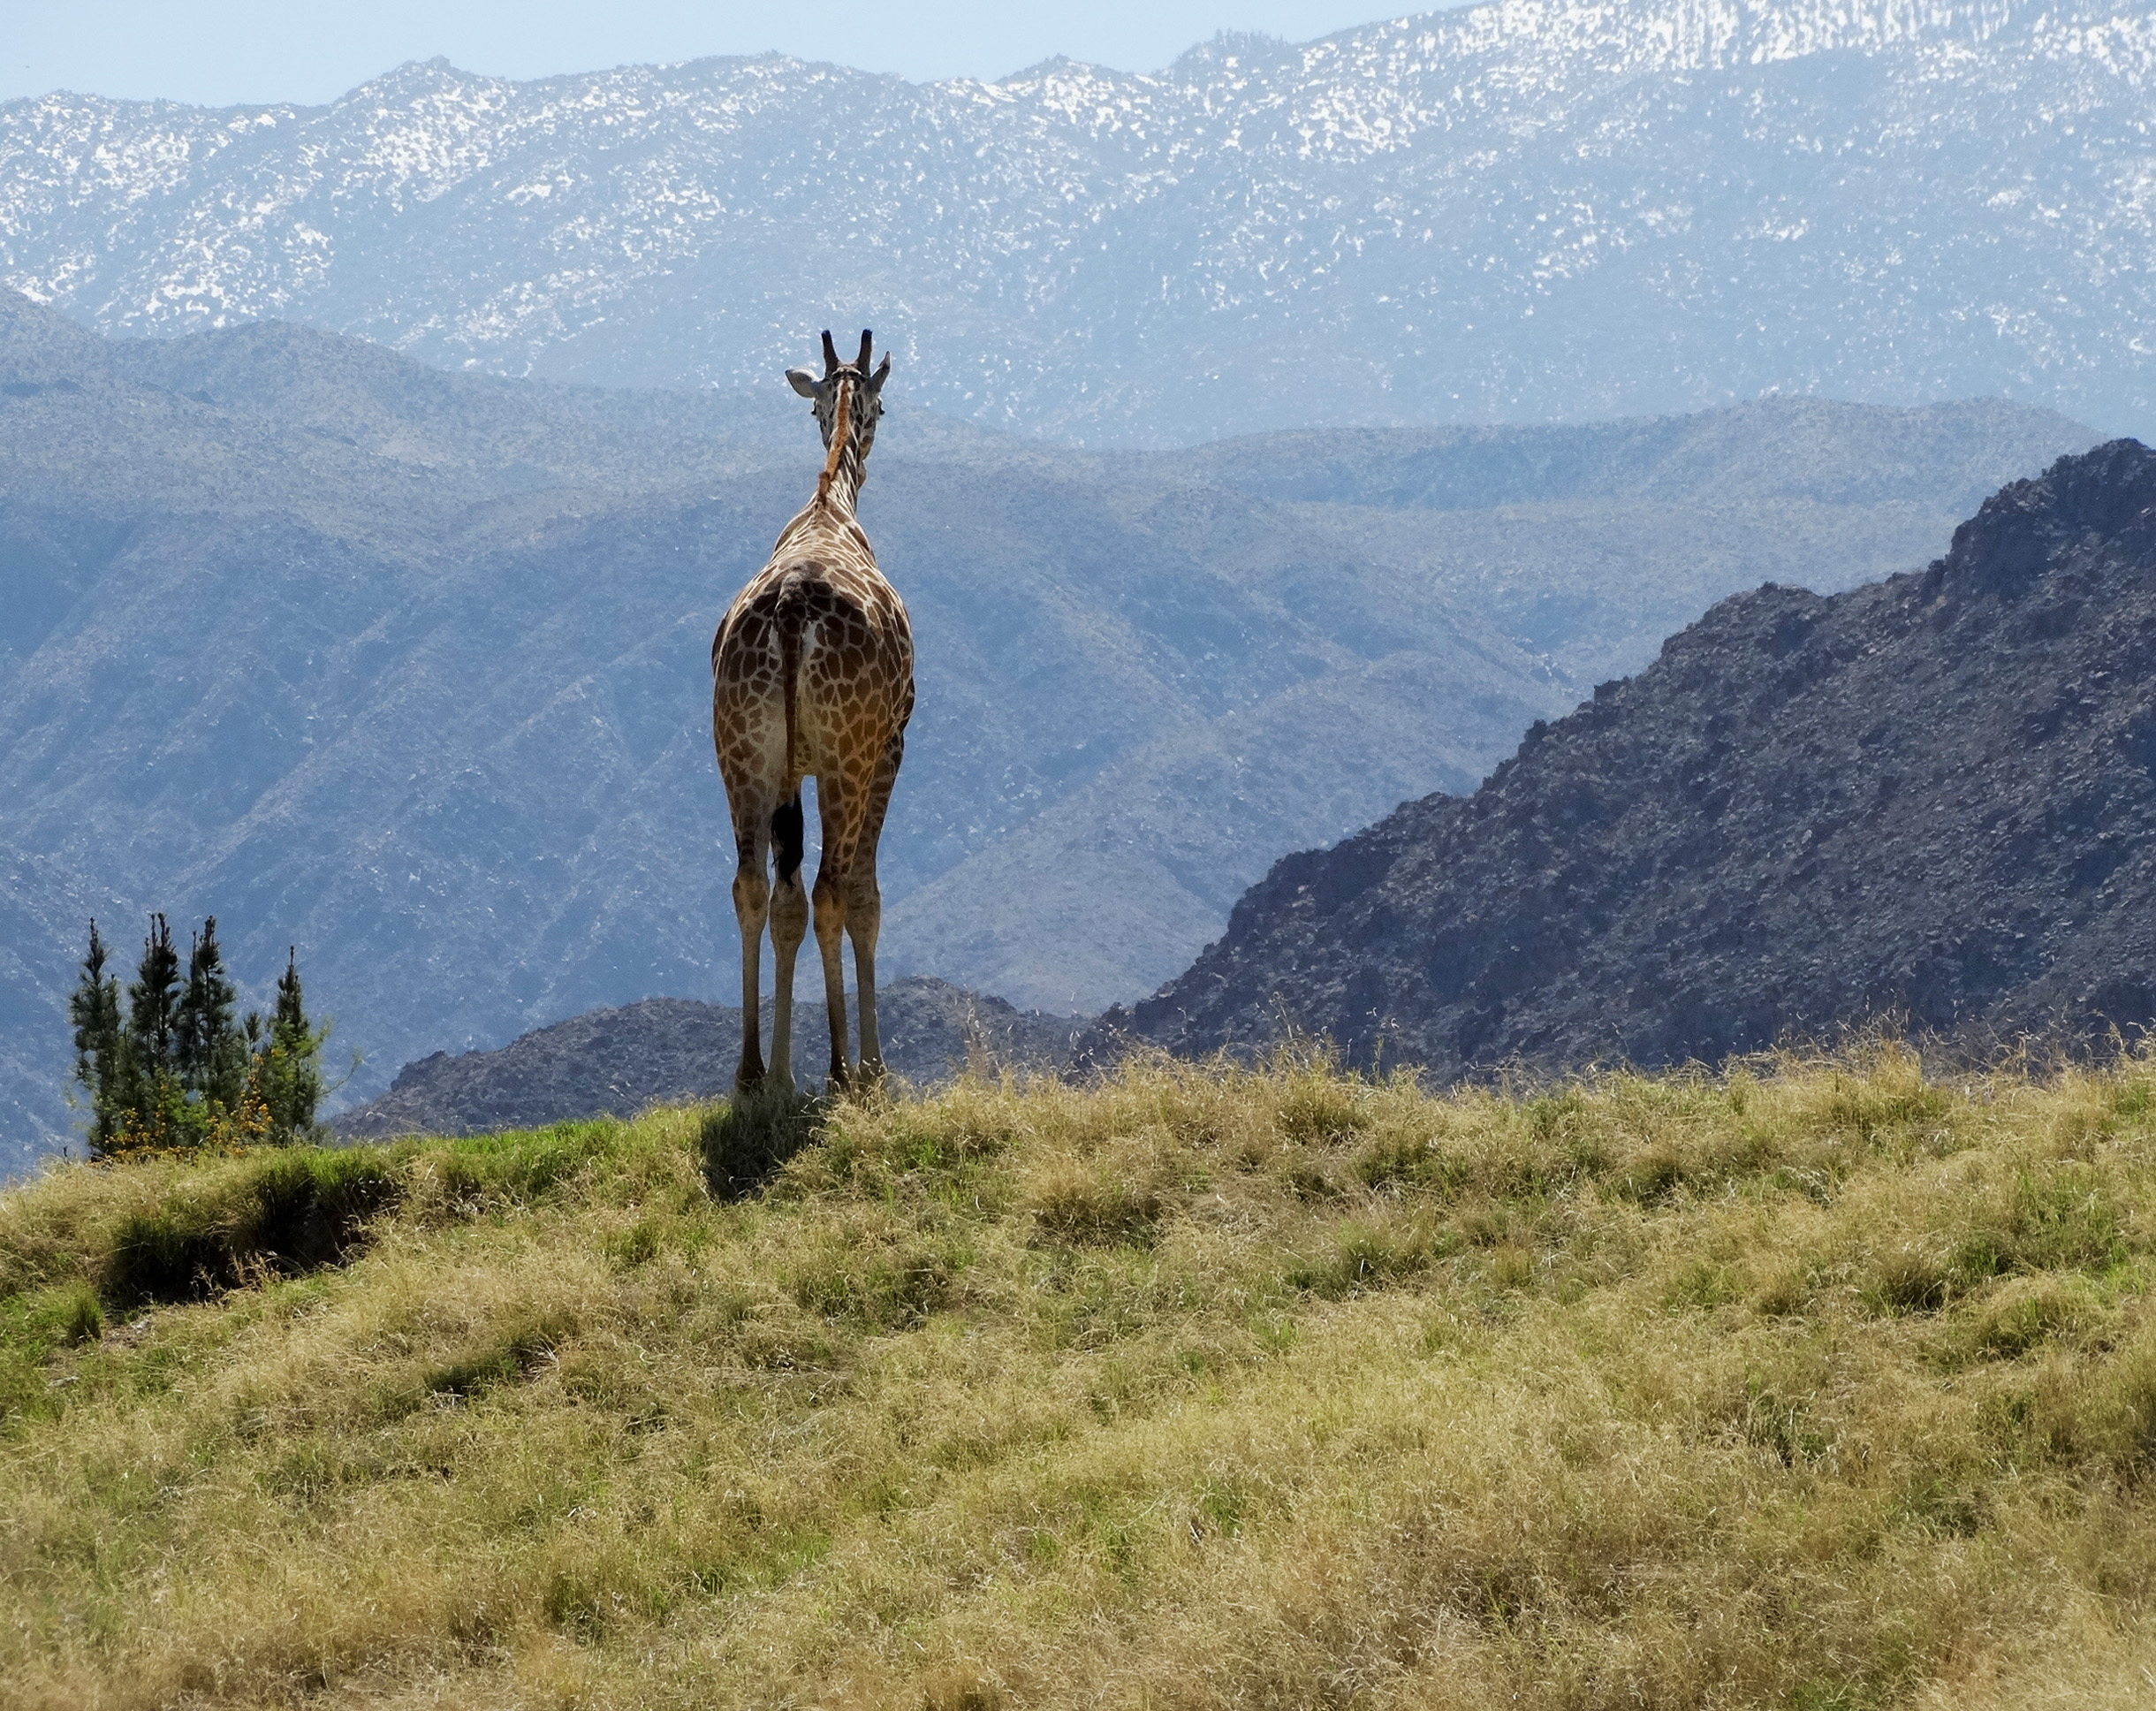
(1817, 1384)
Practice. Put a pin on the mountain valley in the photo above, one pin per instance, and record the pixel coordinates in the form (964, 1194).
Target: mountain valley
(409, 668)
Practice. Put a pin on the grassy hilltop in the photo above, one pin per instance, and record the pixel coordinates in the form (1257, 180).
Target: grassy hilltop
(1815, 1385)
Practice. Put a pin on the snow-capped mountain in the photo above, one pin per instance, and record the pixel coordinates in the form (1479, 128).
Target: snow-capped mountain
(1526, 210)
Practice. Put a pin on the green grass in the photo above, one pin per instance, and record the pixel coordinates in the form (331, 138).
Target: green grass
(1815, 1385)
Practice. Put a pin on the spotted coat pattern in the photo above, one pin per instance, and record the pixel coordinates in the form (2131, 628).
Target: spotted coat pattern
(812, 676)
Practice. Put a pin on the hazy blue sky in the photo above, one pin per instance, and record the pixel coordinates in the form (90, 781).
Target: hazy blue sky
(228, 50)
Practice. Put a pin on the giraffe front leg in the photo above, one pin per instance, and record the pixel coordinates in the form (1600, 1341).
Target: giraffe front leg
(842, 803)
(789, 927)
(864, 915)
(862, 919)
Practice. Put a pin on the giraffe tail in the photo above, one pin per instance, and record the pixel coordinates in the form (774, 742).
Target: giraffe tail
(792, 614)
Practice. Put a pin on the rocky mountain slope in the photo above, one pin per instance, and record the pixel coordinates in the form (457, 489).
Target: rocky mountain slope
(1934, 797)
(1519, 211)
(672, 1050)
(409, 668)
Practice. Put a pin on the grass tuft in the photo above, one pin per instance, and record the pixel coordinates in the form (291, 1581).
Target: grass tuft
(1088, 1210)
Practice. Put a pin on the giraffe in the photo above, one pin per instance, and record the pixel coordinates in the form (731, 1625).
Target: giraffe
(812, 676)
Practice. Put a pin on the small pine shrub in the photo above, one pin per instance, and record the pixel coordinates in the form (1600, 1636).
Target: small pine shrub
(171, 1070)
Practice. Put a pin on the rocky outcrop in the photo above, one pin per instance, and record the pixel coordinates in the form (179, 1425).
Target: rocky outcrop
(670, 1049)
(1933, 797)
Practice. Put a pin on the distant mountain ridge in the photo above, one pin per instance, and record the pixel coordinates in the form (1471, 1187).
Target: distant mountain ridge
(1931, 799)
(1508, 212)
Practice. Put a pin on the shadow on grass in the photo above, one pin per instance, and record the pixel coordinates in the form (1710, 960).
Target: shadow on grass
(746, 1141)
(276, 1212)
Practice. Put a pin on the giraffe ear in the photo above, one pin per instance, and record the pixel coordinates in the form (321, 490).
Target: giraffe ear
(882, 374)
(802, 382)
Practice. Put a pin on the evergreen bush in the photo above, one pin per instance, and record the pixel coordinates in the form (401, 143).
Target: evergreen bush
(172, 1067)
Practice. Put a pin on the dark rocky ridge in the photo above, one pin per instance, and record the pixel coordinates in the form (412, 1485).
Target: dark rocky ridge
(1934, 797)
(673, 1050)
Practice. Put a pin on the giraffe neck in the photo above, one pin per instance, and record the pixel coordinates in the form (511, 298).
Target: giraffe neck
(840, 480)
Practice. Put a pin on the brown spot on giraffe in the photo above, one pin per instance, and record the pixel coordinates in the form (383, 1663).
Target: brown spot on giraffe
(812, 676)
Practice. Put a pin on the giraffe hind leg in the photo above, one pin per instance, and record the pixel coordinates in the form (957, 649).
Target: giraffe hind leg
(789, 927)
(752, 896)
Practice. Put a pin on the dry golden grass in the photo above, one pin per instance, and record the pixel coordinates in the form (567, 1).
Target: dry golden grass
(1812, 1386)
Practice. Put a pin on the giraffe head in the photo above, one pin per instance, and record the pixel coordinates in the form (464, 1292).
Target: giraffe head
(864, 397)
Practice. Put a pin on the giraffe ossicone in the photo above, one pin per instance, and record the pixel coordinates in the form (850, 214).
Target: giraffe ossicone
(812, 676)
